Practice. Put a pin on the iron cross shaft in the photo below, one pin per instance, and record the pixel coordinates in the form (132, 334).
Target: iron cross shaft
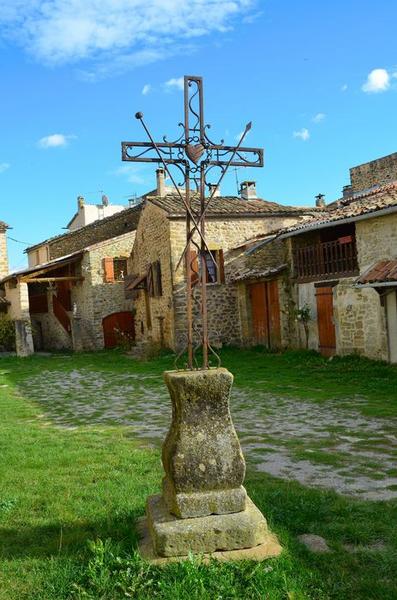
(195, 156)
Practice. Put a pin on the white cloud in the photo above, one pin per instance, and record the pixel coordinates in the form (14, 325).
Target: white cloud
(344, 87)
(56, 140)
(378, 80)
(131, 172)
(120, 32)
(303, 134)
(176, 83)
(146, 89)
(4, 167)
(318, 117)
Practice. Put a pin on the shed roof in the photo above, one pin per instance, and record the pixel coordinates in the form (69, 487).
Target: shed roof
(384, 271)
(132, 212)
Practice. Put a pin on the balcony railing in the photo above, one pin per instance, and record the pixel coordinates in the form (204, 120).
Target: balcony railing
(326, 259)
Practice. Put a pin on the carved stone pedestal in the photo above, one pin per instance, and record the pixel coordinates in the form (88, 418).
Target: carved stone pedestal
(204, 507)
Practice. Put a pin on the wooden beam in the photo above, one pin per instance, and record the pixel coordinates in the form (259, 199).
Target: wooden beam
(51, 279)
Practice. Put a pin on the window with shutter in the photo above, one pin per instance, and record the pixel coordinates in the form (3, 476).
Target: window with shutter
(120, 268)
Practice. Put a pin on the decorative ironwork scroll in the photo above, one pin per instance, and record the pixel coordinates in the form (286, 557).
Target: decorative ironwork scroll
(196, 156)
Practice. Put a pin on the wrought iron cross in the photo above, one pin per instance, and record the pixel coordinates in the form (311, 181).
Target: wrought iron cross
(195, 155)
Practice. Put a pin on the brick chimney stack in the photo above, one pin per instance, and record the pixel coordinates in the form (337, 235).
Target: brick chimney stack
(320, 202)
(80, 202)
(105, 200)
(161, 187)
(3, 250)
(248, 190)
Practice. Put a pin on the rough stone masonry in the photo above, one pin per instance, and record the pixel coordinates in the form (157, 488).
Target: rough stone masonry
(204, 507)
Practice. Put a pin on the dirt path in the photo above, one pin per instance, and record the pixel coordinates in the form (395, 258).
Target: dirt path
(316, 444)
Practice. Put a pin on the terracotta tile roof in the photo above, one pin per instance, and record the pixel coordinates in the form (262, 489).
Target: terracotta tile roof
(370, 201)
(226, 206)
(382, 272)
(132, 212)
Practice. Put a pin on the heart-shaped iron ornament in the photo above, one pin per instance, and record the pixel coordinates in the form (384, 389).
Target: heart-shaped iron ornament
(194, 153)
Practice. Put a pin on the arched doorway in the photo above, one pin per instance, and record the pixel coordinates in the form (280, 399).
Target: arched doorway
(117, 325)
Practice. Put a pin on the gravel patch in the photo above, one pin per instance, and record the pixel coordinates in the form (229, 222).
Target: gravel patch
(319, 445)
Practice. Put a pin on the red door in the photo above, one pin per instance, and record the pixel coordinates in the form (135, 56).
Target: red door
(325, 321)
(265, 310)
(117, 325)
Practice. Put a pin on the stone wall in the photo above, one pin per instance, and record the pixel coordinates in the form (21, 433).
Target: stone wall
(154, 315)
(3, 253)
(376, 172)
(376, 240)
(272, 255)
(360, 320)
(223, 300)
(96, 299)
(306, 296)
(18, 296)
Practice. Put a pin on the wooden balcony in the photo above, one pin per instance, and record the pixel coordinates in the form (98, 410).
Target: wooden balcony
(326, 260)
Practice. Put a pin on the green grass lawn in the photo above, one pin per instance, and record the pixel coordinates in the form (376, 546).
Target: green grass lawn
(69, 498)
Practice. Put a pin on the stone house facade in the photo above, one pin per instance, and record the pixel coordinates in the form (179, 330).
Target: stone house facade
(74, 298)
(158, 284)
(341, 267)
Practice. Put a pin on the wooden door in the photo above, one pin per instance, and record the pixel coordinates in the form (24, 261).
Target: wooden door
(265, 310)
(325, 320)
(117, 325)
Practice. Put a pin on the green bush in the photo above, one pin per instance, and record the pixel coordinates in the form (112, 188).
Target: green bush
(7, 333)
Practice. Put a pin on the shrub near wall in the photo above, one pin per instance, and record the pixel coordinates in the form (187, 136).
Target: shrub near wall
(7, 333)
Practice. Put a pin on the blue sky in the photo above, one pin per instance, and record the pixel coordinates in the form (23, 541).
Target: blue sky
(318, 80)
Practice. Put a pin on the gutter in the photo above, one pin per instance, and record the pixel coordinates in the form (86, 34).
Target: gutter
(376, 285)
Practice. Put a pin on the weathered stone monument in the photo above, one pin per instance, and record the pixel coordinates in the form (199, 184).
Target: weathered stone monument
(203, 508)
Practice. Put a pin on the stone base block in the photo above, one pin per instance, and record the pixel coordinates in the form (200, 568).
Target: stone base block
(200, 504)
(173, 537)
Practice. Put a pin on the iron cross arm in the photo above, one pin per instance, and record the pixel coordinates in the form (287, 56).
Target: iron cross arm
(175, 154)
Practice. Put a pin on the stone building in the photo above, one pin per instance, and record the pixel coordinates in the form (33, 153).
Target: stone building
(341, 268)
(88, 213)
(72, 293)
(159, 281)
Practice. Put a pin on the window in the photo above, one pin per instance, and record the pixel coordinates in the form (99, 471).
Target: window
(120, 268)
(154, 284)
(114, 269)
(214, 264)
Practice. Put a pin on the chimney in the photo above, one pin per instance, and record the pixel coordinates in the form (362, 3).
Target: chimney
(347, 192)
(248, 190)
(105, 200)
(80, 202)
(3, 250)
(161, 187)
(320, 202)
(214, 189)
